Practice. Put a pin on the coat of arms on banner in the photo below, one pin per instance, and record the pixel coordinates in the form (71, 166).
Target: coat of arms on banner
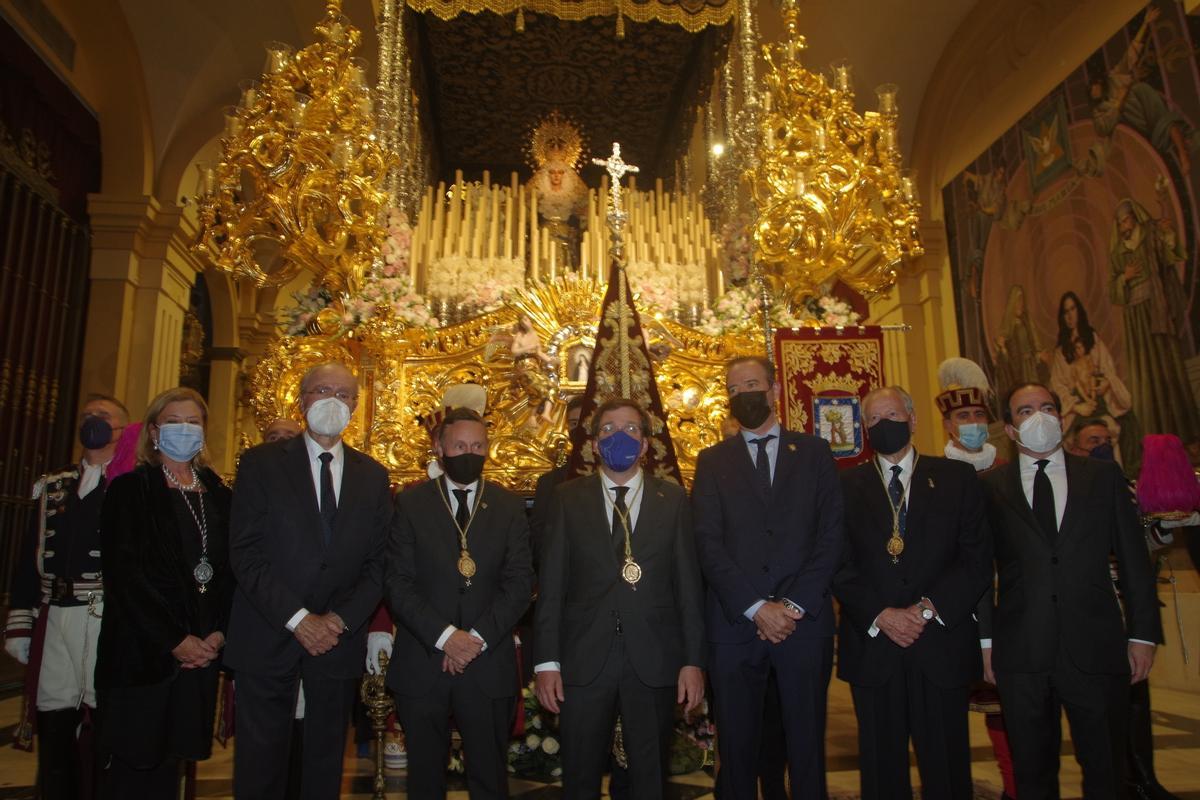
(838, 420)
(825, 373)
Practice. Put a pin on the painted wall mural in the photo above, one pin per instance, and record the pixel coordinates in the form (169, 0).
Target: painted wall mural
(1073, 238)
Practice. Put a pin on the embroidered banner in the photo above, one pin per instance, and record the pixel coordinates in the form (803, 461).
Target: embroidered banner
(825, 373)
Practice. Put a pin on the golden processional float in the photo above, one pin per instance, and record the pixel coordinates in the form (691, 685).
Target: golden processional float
(500, 283)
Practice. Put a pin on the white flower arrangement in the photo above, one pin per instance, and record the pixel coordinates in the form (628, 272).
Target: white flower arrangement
(739, 310)
(477, 284)
(663, 286)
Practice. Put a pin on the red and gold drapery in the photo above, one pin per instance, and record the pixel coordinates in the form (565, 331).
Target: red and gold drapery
(825, 373)
(691, 15)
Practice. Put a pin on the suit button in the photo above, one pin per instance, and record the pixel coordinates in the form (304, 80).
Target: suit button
(766, 568)
(462, 590)
(1053, 598)
(770, 532)
(1054, 559)
(323, 566)
(904, 581)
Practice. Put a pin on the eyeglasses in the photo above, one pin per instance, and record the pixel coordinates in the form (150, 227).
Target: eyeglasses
(329, 391)
(632, 428)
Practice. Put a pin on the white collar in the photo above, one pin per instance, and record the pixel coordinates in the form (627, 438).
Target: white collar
(1029, 463)
(905, 464)
(451, 485)
(632, 484)
(315, 449)
(982, 460)
(748, 436)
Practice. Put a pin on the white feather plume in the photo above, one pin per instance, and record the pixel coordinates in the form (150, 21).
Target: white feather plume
(961, 372)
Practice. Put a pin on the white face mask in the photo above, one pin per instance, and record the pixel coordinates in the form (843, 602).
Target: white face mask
(328, 417)
(1040, 432)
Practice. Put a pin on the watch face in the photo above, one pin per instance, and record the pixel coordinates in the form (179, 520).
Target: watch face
(927, 613)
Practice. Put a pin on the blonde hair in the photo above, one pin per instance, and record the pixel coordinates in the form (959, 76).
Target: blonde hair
(147, 453)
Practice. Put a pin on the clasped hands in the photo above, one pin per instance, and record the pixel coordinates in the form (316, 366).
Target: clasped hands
(460, 650)
(318, 633)
(904, 625)
(776, 620)
(195, 653)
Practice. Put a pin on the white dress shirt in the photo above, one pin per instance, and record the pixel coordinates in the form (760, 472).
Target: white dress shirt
(471, 489)
(335, 468)
(633, 502)
(906, 465)
(772, 445)
(772, 448)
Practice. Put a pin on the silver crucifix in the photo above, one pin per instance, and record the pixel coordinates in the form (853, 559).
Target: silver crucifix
(617, 168)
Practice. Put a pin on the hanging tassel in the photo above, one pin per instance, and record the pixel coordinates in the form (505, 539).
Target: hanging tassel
(520, 19)
(620, 23)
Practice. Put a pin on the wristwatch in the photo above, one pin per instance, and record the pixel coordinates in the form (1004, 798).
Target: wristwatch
(926, 611)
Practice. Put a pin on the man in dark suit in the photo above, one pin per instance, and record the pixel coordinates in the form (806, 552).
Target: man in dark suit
(549, 481)
(459, 577)
(619, 617)
(1056, 638)
(918, 559)
(307, 544)
(767, 510)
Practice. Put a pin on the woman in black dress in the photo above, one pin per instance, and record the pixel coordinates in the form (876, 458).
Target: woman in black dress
(168, 588)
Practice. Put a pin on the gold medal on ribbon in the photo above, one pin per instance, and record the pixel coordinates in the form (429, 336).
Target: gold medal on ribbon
(466, 564)
(631, 572)
(895, 546)
(895, 543)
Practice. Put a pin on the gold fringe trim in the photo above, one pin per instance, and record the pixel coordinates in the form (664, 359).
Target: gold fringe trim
(669, 13)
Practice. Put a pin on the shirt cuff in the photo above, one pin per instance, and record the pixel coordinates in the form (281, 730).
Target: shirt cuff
(1143, 641)
(752, 610)
(475, 633)
(873, 631)
(441, 641)
(296, 619)
(985, 644)
(548, 666)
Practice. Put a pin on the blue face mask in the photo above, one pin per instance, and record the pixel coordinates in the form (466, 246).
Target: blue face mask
(619, 451)
(180, 441)
(973, 435)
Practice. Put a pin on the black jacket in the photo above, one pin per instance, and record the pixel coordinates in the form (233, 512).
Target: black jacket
(947, 557)
(426, 592)
(582, 594)
(1058, 592)
(150, 595)
(278, 551)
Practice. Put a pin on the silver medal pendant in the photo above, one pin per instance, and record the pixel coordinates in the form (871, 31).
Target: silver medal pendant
(203, 573)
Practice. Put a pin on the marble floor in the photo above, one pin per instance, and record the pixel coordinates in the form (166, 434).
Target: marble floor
(1176, 732)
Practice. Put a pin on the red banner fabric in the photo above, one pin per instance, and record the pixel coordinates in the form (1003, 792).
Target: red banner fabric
(825, 374)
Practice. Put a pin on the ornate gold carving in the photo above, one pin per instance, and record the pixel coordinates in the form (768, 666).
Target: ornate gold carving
(824, 382)
(692, 16)
(404, 371)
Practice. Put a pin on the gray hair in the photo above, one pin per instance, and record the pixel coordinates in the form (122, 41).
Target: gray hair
(306, 381)
(899, 391)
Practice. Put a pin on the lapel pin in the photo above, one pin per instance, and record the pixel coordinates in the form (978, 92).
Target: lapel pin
(931, 486)
(483, 505)
(792, 447)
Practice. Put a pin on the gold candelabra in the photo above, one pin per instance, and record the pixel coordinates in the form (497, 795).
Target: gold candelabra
(301, 180)
(832, 199)
(374, 695)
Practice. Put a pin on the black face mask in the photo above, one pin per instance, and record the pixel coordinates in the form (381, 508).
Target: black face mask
(750, 409)
(95, 433)
(888, 436)
(464, 468)
(1103, 452)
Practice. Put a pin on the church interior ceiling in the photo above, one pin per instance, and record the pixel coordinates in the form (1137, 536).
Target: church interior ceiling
(486, 85)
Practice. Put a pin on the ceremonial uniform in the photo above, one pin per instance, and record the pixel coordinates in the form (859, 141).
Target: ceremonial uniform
(57, 602)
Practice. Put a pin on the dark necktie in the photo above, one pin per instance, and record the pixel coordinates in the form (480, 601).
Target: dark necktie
(328, 496)
(762, 464)
(463, 515)
(1043, 500)
(618, 528)
(896, 494)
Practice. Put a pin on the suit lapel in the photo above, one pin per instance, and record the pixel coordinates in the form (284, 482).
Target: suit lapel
(649, 513)
(919, 497)
(785, 461)
(350, 498)
(1075, 476)
(740, 454)
(300, 474)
